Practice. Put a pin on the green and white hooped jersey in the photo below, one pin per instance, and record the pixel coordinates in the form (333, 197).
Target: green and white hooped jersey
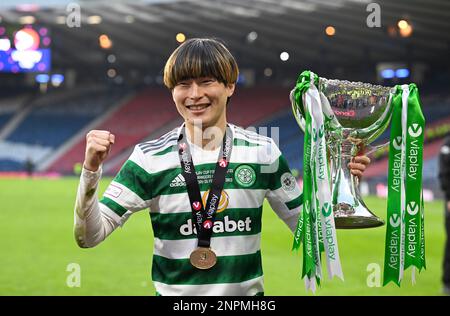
(152, 178)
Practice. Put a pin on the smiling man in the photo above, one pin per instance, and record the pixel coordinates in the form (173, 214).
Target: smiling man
(205, 183)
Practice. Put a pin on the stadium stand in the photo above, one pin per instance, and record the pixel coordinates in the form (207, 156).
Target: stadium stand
(147, 112)
(4, 118)
(50, 124)
(9, 107)
(51, 120)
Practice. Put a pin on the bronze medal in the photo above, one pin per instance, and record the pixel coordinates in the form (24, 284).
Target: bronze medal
(203, 258)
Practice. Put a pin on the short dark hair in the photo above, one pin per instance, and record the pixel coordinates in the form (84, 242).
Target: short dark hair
(200, 57)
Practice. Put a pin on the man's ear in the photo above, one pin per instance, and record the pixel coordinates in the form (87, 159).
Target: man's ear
(231, 87)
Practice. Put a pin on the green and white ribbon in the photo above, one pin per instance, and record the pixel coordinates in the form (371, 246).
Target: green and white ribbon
(405, 235)
(393, 247)
(323, 185)
(316, 235)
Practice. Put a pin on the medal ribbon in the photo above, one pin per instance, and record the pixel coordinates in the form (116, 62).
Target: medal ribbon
(203, 216)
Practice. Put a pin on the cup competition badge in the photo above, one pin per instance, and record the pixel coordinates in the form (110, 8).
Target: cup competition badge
(340, 119)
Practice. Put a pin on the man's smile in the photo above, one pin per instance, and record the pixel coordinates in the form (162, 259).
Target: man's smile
(198, 107)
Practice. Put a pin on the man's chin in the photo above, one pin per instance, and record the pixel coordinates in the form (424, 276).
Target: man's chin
(200, 121)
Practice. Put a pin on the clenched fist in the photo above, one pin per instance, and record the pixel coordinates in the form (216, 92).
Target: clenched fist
(98, 146)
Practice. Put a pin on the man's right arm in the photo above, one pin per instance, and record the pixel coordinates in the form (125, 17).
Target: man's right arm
(92, 223)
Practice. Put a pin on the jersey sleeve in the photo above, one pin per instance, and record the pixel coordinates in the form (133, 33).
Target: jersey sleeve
(283, 193)
(130, 190)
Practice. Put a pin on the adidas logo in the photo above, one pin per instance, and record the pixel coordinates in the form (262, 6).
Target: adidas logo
(178, 181)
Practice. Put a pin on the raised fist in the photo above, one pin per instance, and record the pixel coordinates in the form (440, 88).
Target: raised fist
(98, 146)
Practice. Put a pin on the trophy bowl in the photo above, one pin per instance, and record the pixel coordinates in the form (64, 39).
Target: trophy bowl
(355, 114)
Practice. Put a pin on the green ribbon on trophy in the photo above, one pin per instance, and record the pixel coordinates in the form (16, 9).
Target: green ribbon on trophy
(316, 228)
(405, 237)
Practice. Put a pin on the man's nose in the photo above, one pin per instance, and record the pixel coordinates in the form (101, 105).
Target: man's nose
(195, 91)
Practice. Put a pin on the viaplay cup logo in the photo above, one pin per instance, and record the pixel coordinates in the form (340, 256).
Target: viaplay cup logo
(397, 143)
(415, 130)
(326, 209)
(321, 129)
(207, 224)
(307, 209)
(394, 220)
(317, 134)
(196, 205)
(223, 163)
(412, 208)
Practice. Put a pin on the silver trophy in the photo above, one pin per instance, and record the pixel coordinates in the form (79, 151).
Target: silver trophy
(355, 115)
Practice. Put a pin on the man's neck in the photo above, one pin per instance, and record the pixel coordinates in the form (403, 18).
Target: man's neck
(208, 138)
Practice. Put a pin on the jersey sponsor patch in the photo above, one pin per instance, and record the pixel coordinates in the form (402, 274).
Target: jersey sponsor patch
(287, 182)
(227, 225)
(113, 190)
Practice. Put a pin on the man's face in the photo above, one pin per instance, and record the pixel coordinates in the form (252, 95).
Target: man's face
(202, 99)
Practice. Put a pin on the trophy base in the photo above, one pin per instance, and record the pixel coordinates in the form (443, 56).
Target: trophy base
(347, 216)
(350, 211)
(356, 222)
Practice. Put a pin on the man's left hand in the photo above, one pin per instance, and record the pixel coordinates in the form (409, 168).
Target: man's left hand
(358, 165)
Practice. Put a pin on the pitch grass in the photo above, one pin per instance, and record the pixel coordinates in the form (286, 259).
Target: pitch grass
(37, 245)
